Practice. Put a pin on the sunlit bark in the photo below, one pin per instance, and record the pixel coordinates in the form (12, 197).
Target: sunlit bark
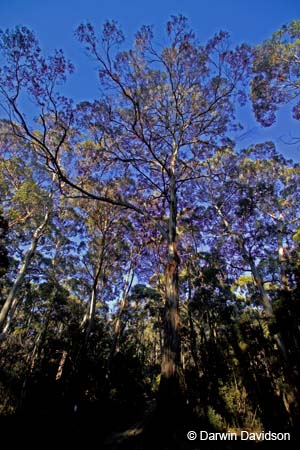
(10, 304)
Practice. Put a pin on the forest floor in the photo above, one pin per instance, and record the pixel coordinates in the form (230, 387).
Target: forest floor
(67, 437)
(85, 433)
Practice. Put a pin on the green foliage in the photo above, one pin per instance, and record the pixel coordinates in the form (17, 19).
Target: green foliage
(239, 407)
(215, 420)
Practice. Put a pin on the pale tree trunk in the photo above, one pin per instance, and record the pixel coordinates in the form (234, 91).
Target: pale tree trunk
(258, 281)
(63, 357)
(123, 305)
(10, 315)
(88, 320)
(61, 365)
(118, 322)
(193, 336)
(281, 254)
(10, 304)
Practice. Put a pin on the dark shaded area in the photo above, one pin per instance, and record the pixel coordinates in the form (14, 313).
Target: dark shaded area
(88, 407)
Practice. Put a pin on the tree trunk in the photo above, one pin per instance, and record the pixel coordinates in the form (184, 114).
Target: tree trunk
(10, 315)
(8, 308)
(88, 320)
(61, 365)
(266, 302)
(118, 322)
(281, 254)
(170, 390)
(193, 336)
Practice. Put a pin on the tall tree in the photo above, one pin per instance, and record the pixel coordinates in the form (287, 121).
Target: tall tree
(168, 110)
(161, 115)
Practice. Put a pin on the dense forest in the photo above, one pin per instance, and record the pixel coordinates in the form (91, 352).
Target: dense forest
(149, 266)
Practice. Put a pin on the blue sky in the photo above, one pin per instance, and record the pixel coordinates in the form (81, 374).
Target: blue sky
(251, 21)
(55, 20)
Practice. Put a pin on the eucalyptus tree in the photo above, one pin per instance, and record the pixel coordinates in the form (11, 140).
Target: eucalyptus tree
(27, 199)
(161, 113)
(166, 109)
